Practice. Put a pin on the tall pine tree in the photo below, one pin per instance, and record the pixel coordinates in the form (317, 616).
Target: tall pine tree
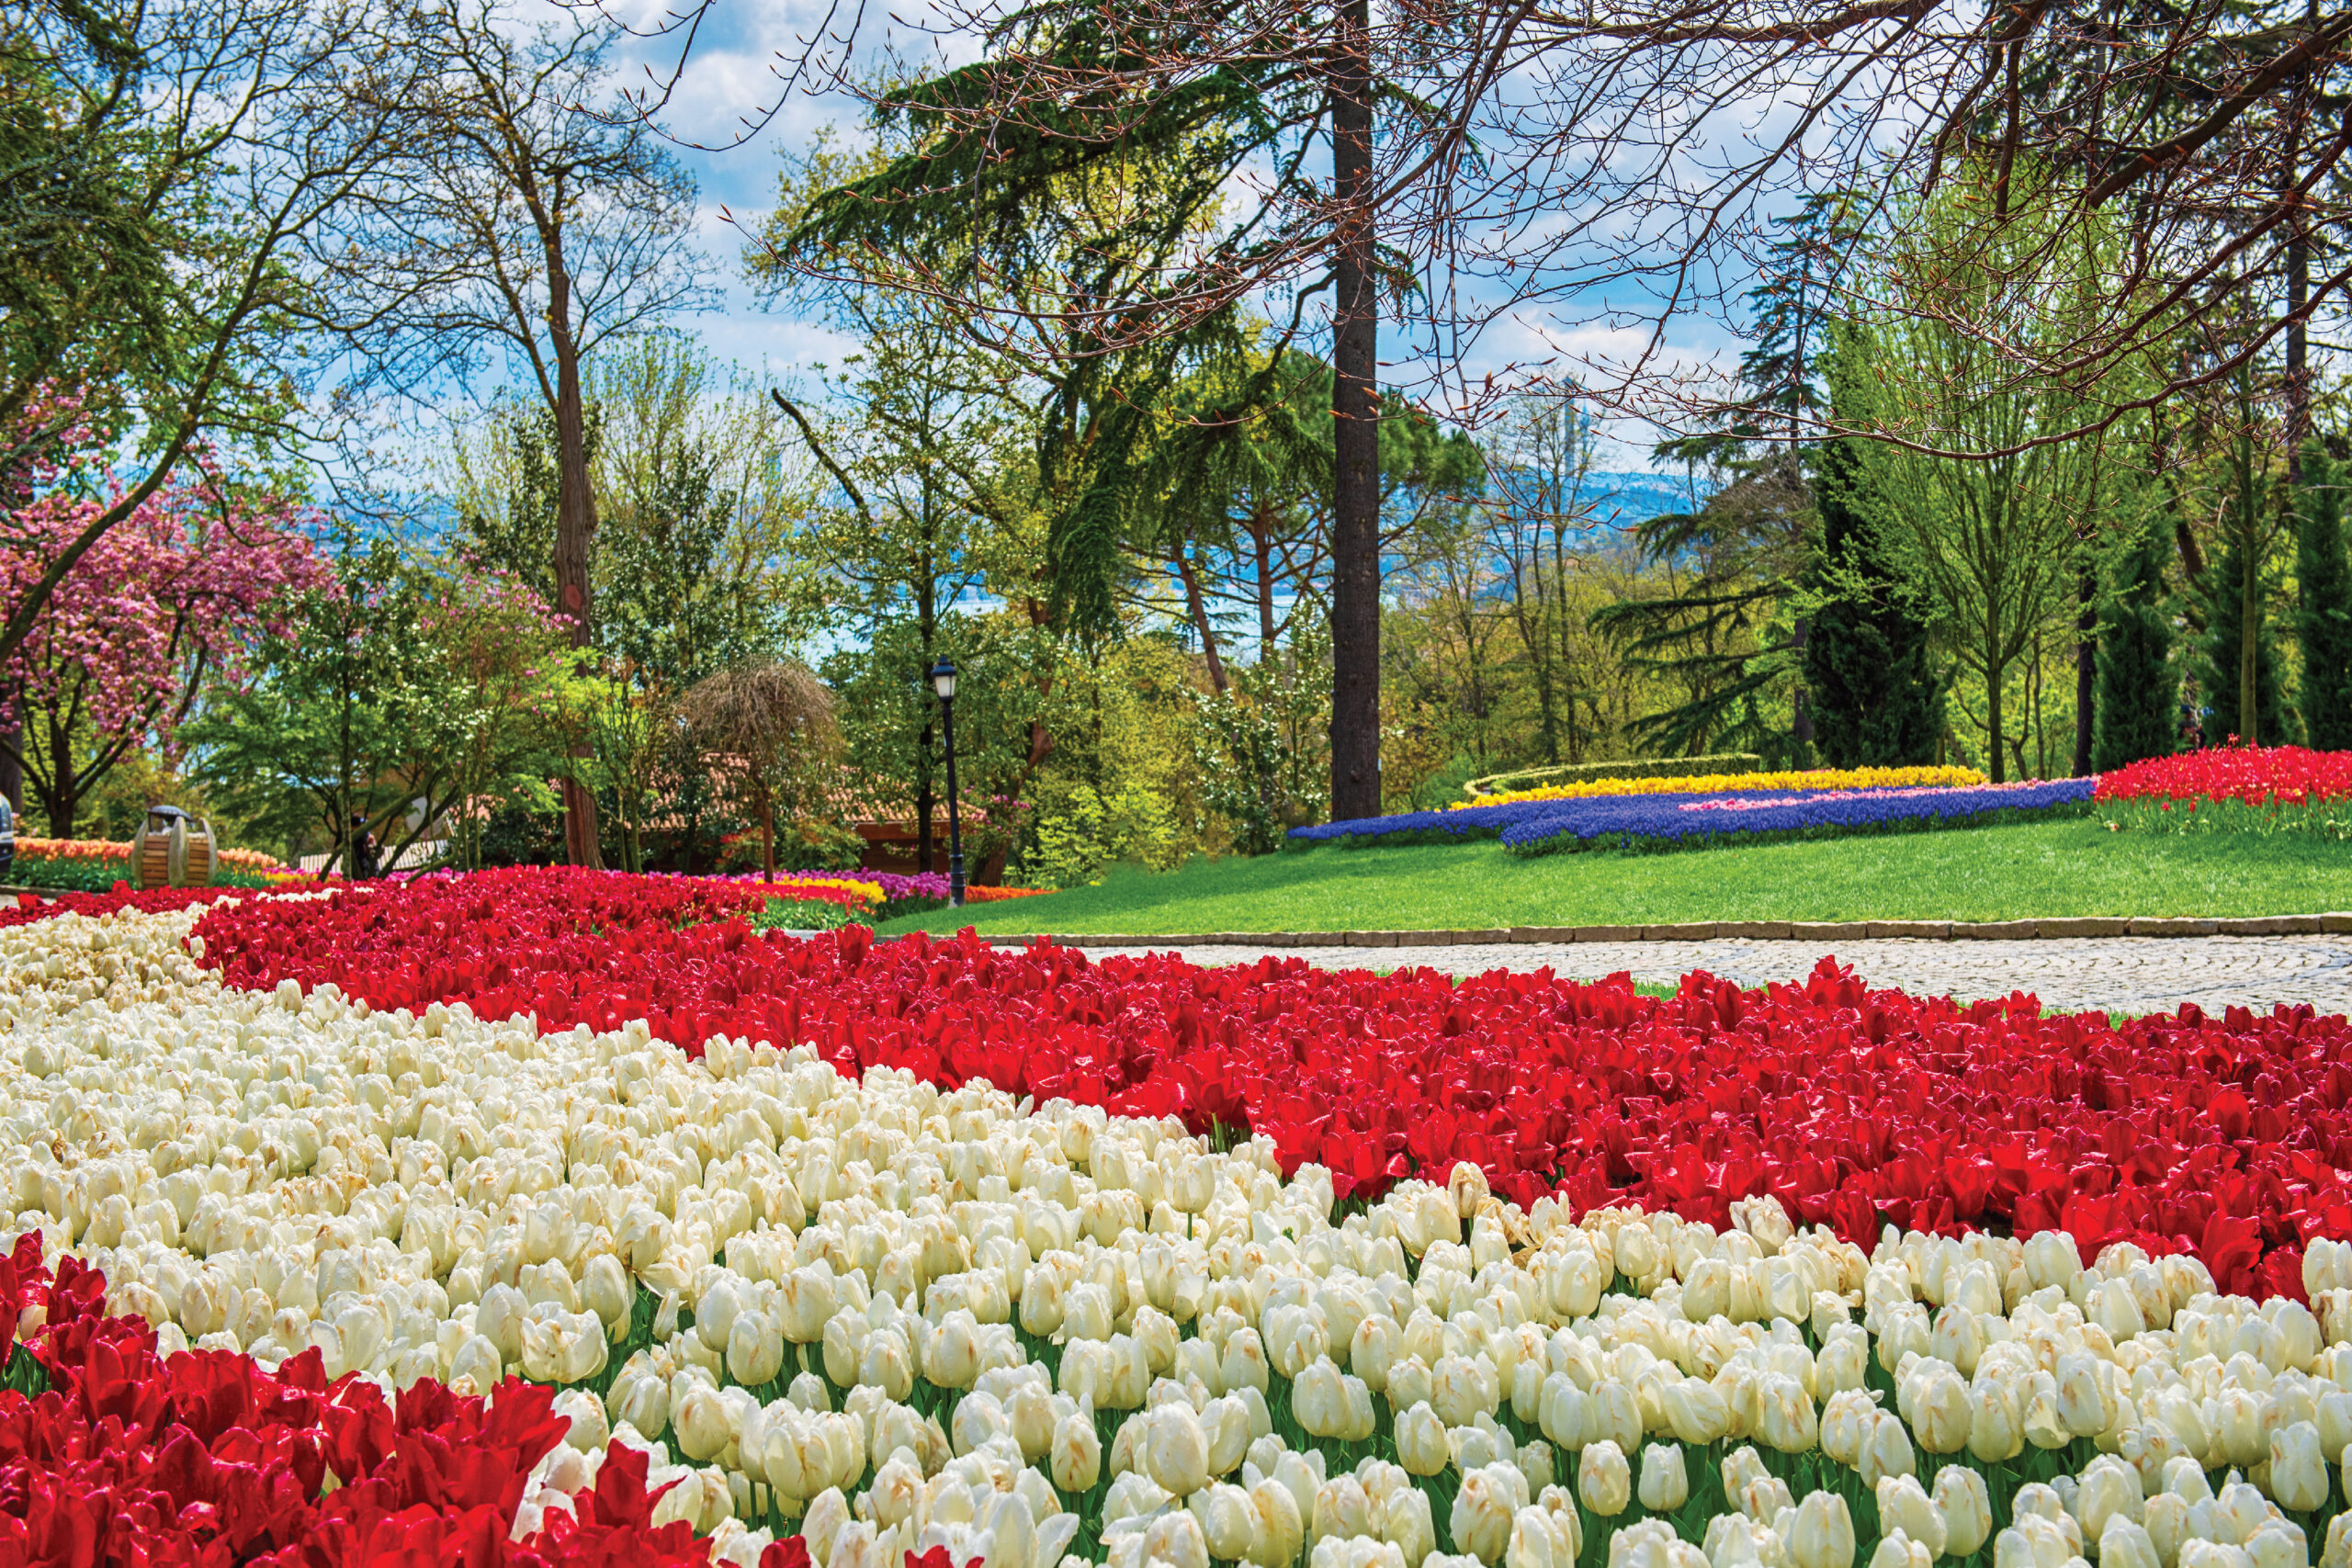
(2218, 652)
(1877, 698)
(2324, 614)
(2137, 682)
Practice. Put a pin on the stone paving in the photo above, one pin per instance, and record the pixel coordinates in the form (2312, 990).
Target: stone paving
(2122, 975)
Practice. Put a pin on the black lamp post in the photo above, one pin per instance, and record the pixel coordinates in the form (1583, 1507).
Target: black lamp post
(943, 681)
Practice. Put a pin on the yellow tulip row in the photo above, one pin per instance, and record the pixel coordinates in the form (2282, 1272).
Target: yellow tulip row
(1715, 784)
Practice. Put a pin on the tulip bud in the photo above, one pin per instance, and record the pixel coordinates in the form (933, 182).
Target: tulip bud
(2050, 1259)
(1940, 1410)
(1784, 1415)
(1541, 1537)
(754, 1353)
(1281, 1532)
(700, 1418)
(1604, 1480)
(1175, 1450)
(1886, 1450)
(1823, 1533)
(1076, 1459)
(1967, 1509)
(1341, 1509)
(2084, 1408)
(1613, 1413)
(1904, 1505)
(1459, 1392)
(1421, 1441)
(1665, 1485)
(1995, 1425)
(641, 1401)
(1228, 1524)
(2123, 1544)
(1318, 1401)
(1406, 1523)
(804, 1300)
(585, 1431)
(1041, 1299)
(1175, 1539)
(1695, 1411)
(1485, 1506)
(951, 1359)
(2299, 1477)
(1245, 1361)
(498, 1317)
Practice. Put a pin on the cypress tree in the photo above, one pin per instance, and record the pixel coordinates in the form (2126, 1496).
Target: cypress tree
(2323, 611)
(2137, 685)
(1876, 698)
(2217, 660)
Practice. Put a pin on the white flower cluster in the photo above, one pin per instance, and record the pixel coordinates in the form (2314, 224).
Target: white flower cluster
(906, 1318)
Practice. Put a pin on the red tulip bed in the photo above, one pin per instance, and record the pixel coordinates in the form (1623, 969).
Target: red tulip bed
(2230, 1137)
(2233, 789)
(124, 1455)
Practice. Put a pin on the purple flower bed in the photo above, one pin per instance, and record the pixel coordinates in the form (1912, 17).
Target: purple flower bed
(1665, 821)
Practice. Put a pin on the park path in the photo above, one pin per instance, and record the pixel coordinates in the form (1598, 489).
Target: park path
(2124, 975)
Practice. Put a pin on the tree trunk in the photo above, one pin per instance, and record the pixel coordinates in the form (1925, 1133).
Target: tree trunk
(1200, 611)
(1801, 713)
(1355, 437)
(1993, 673)
(1263, 535)
(923, 801)
(2249, 639)
(2085, 669)
(575, 534)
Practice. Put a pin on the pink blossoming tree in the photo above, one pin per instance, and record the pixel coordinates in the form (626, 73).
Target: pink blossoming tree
(179, 590)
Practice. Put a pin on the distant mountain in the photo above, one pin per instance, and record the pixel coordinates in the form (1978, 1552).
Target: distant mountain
(1629, 499)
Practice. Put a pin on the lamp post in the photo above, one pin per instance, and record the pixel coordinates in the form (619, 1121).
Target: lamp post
(943, 681)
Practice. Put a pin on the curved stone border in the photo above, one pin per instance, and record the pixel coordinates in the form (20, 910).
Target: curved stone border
(1759, 931)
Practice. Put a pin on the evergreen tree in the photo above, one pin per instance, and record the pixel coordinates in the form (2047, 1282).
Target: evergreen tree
(1877, 700)
(2324, 619)
(2217, 661)
(2137, 684)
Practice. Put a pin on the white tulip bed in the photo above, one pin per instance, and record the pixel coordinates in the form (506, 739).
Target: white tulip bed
(887, 1320)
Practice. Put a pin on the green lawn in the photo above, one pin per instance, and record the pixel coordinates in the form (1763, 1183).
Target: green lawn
(2071, 868)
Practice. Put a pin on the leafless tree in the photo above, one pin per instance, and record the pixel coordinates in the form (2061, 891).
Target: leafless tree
(517, 224)
(770, 726)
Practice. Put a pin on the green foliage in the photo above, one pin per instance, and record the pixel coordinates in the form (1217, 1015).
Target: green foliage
(2323, 621)
(1093, 827)
(1260, 750)
(1877, 698)
(2219, 651)
(395, 684)
(2137, 695)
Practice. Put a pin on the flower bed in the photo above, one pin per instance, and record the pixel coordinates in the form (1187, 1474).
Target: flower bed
(1720, 784)
(1379, 1077)
(2233, 789)
(1662, 822)
(913, 1320)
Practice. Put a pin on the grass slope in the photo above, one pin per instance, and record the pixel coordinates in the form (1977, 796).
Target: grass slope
(2073, 867)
